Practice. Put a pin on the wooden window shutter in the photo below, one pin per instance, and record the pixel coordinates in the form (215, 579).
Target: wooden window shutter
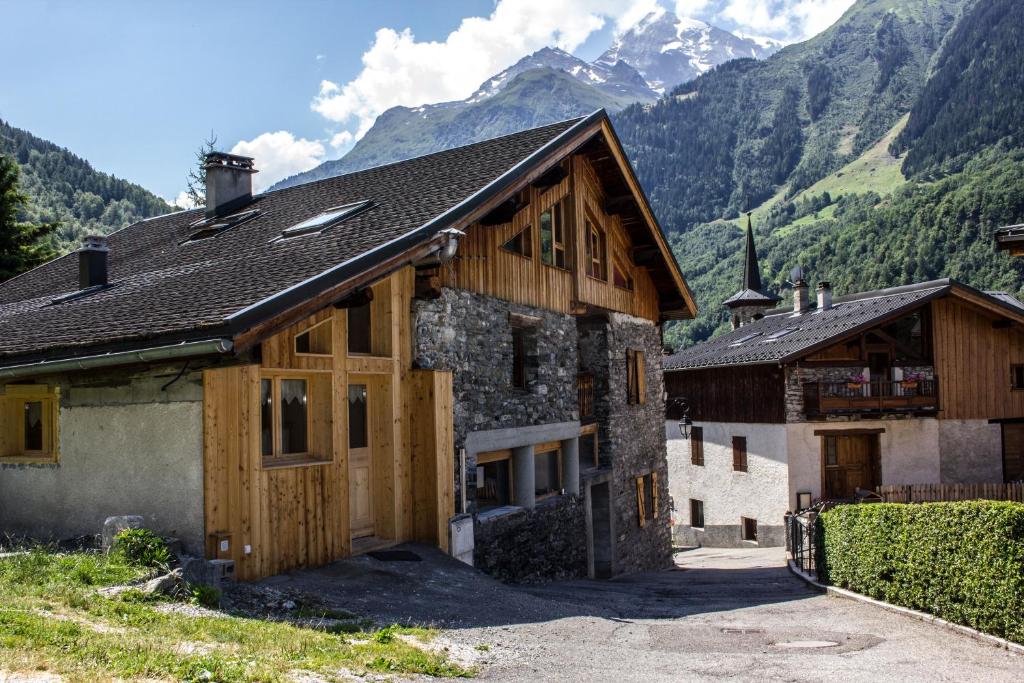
(739, 453)
(654, 494)
(697, 446)
(641, 385)
(640, 501)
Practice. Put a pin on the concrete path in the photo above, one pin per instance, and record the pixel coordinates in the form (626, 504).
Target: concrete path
(720, 614)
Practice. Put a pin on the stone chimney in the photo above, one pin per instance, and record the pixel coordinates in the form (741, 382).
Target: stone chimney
(801, 296)
(92, 262)
(228, 183)
(824, 295)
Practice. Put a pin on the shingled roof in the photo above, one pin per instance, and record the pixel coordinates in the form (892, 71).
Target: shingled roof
(167, 288)
(782, 336)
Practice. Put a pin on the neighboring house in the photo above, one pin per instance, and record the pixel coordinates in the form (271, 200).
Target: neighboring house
(1011, 239)
(462, 346)
(918, 384)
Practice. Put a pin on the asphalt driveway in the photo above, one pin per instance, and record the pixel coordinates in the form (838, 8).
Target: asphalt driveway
(719, 614)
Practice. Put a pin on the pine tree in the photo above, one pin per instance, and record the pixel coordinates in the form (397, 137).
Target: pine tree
(21, 244)
(196, 177)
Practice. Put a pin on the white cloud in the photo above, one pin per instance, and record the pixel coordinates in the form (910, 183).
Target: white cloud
(342, 140)
(787, 20)
(279, 155)
(182, 201)
(400, 70)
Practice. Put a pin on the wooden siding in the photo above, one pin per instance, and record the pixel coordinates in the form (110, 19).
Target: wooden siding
(972, 361)
(297, 514)
(483, 266)
(751, 394)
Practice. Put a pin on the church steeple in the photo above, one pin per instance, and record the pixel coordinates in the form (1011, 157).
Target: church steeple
(750, 303)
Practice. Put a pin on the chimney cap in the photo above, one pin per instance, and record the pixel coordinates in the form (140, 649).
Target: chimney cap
(824, 284)
(94, 243)
(235, 162)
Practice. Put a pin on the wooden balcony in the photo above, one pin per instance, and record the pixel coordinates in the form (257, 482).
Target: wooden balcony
(585, 389)
(921, 396)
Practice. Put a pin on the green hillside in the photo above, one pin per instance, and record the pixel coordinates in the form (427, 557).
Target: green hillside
(66, 188)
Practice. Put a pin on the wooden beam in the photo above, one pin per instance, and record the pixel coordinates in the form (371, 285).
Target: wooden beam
(614, 206)
(848, 432)
(550, 178)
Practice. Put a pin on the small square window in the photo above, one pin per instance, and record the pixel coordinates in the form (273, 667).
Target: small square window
(748, 529)
(28, 422)
(696, 513)
(1017, 377)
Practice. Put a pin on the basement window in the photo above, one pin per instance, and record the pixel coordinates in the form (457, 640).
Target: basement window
(28, 423)
(329, 218)
(547, 468)
(493, 479)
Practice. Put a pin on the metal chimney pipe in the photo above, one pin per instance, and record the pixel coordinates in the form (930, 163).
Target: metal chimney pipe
(92, 262)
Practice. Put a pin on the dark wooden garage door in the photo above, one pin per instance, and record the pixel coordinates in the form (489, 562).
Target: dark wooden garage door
(1013, 452)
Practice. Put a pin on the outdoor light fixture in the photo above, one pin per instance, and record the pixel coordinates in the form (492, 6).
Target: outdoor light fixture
(684, 427)
(682, 407)
(447, 251)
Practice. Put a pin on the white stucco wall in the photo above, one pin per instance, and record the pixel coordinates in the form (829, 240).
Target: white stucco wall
(125, 448)
(760, 493)
(970, 452)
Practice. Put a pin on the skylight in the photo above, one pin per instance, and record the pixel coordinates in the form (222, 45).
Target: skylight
(744, 340)
(325, 219)
(779, 334)
(211, 227)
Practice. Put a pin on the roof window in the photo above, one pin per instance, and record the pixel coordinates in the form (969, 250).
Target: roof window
(326, 219)
(744, 340)
(211, 227)
(779, 334)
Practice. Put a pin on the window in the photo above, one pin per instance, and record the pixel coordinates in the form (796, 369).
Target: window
(621, 274)
(360, 338)
(636, 389)
(28, 423)
(524, 350)
(1017, 377)
(748, 529)
(358, 431)
(493, 479)
(779, 334)
(831, 451)
(547, 472)
(744, 339)
(589, 445)
(316, 341)
(739, 453)
(325, 220)
(647, 497)
(521, 243)
(595, 251)
(697, 513)
(552, 236)
(286, 406)
(697, 446)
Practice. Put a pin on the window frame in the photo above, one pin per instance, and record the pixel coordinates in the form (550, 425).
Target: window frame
(13, 402)
(369, 330)
(740, 454)
(1016, 371)
(696, 504)
(745, 529)
(543, 449)
(697, 446)
(527, 242)
(308, 330)
(619, 265)
(641, 503)
(596, 266)
(558, 236)
(491, 457)
(277, 458)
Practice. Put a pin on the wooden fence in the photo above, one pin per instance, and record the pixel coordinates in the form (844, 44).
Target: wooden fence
(927, 493)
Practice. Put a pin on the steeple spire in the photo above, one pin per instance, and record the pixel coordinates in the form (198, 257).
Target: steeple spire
(751, 269)
(750, 303)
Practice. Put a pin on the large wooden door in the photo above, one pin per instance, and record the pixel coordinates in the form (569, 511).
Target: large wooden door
(849, 462)
(1013, 452)
(360, 459)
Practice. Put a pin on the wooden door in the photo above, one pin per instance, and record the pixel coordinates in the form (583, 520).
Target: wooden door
(1013, 452)
(849, 462)
(360, 459)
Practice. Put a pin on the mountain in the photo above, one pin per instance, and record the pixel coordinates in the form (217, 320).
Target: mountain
(668, 50)
(547, 86)
(870, 155)
(66, 188)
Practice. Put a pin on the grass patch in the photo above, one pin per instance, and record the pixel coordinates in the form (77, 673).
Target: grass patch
(52, 619)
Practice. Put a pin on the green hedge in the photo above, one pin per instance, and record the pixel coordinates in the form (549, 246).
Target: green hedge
(963, 562)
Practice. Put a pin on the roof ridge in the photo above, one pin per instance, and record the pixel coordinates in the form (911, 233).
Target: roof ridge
(571, 122)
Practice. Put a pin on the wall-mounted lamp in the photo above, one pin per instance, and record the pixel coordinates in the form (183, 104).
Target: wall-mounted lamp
(681, 407)
(451, 245)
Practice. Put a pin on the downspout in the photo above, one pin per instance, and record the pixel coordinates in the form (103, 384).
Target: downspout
(156, 353)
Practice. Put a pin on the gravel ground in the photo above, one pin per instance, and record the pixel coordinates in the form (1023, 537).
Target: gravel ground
(736, 614)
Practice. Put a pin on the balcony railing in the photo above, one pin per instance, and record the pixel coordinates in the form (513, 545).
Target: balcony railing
(585, 389)
(859, 397)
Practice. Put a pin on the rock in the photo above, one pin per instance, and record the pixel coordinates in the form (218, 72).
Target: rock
(289, 605)
(197, 571)
(168, 584)
(114, 525)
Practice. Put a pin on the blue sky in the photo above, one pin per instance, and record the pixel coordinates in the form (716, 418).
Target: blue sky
(135, 87)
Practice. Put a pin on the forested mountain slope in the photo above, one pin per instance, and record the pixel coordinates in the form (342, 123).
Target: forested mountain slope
(66, 188)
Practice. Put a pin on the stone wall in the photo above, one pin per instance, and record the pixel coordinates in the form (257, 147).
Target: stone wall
(548, 542)
(797, 376)
(127, 446)
(636, 441)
